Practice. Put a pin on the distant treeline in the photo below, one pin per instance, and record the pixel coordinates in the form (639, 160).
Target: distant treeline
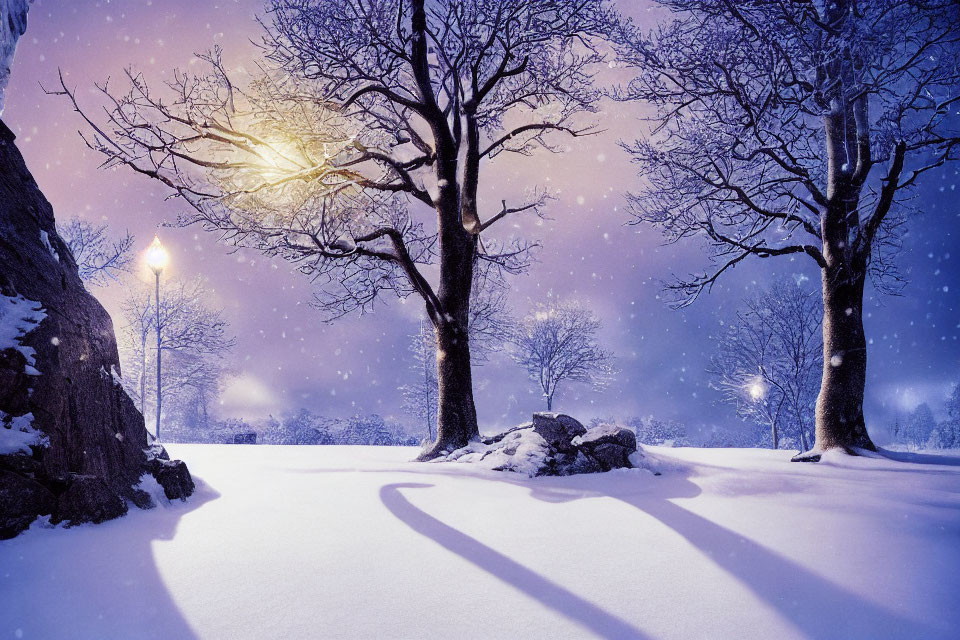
(302, 427)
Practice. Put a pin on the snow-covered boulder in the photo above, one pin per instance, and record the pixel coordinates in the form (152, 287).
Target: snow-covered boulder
(172, 475)
(558, 430)
(553, 444)
(609, 445)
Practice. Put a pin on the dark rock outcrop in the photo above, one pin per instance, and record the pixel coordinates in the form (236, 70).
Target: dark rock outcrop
(61, 377)
(610, 446)
(89, 499)
(174, 477)
(553, 444)
(21, 500)
(558, 430)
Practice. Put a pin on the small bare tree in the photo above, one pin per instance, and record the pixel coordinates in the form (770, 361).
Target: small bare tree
(797, 128)
(193, 336)
(369, 106)
(769, 360)
(138, 317)
(100, 258)
(558, 344)
(420, 397)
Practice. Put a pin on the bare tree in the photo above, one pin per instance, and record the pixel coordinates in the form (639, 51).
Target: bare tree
(947, 433)
(138, 317)
(917, 428)
(369, 106)
(797, 129)
(100, 258)
(193, 336)
(489, 322)
(558, 344)
(420, 397)
(200, 378)
(769, 361)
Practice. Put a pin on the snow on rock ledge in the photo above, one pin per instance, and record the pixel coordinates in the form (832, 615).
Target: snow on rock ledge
(553, 444)
(17, 434)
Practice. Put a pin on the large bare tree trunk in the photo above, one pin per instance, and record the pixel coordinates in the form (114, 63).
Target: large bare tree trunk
(839, 414)
(456, 412)
(839, 411)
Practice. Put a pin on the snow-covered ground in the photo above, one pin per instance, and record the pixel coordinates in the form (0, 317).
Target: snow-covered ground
(357, 542)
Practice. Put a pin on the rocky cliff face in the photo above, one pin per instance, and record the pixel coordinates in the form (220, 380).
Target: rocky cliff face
(72, 443)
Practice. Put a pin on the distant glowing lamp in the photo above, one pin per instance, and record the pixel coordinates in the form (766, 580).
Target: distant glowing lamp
(757, 390)
(156, 256)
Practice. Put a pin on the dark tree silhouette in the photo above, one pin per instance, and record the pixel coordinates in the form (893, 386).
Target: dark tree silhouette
(366, 107)
(797, 129)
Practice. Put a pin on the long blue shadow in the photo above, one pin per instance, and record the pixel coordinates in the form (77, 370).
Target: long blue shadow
(815, 606)
(104, 578)
(921, 458)
(550, 594)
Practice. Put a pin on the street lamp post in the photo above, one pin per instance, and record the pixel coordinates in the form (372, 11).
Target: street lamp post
(157, 258)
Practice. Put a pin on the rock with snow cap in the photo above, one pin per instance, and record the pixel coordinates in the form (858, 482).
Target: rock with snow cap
(558, 429)
(553, 444)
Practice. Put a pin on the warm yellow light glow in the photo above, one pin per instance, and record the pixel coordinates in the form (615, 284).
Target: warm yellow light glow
(156, 256)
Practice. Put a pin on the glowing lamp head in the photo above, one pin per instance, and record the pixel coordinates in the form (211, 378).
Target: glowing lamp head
(156, 256)
(757, 390)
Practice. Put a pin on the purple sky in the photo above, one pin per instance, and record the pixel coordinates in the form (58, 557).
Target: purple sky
(288, 358)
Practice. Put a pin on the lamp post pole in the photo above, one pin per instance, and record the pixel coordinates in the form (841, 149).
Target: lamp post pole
(157, 274)
(157, 259)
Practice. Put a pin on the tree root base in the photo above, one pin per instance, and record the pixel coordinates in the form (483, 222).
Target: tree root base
(807, 456)
(814, 455)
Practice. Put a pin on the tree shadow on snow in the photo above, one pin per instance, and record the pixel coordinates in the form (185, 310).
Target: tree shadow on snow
(103, 578)
(549, 594)
(920, 458)
(815, 606)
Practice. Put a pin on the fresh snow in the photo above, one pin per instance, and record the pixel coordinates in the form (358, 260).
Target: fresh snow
(596, 433)
(18, 317)
(520, 451)
(358, 542)
(17, 434)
